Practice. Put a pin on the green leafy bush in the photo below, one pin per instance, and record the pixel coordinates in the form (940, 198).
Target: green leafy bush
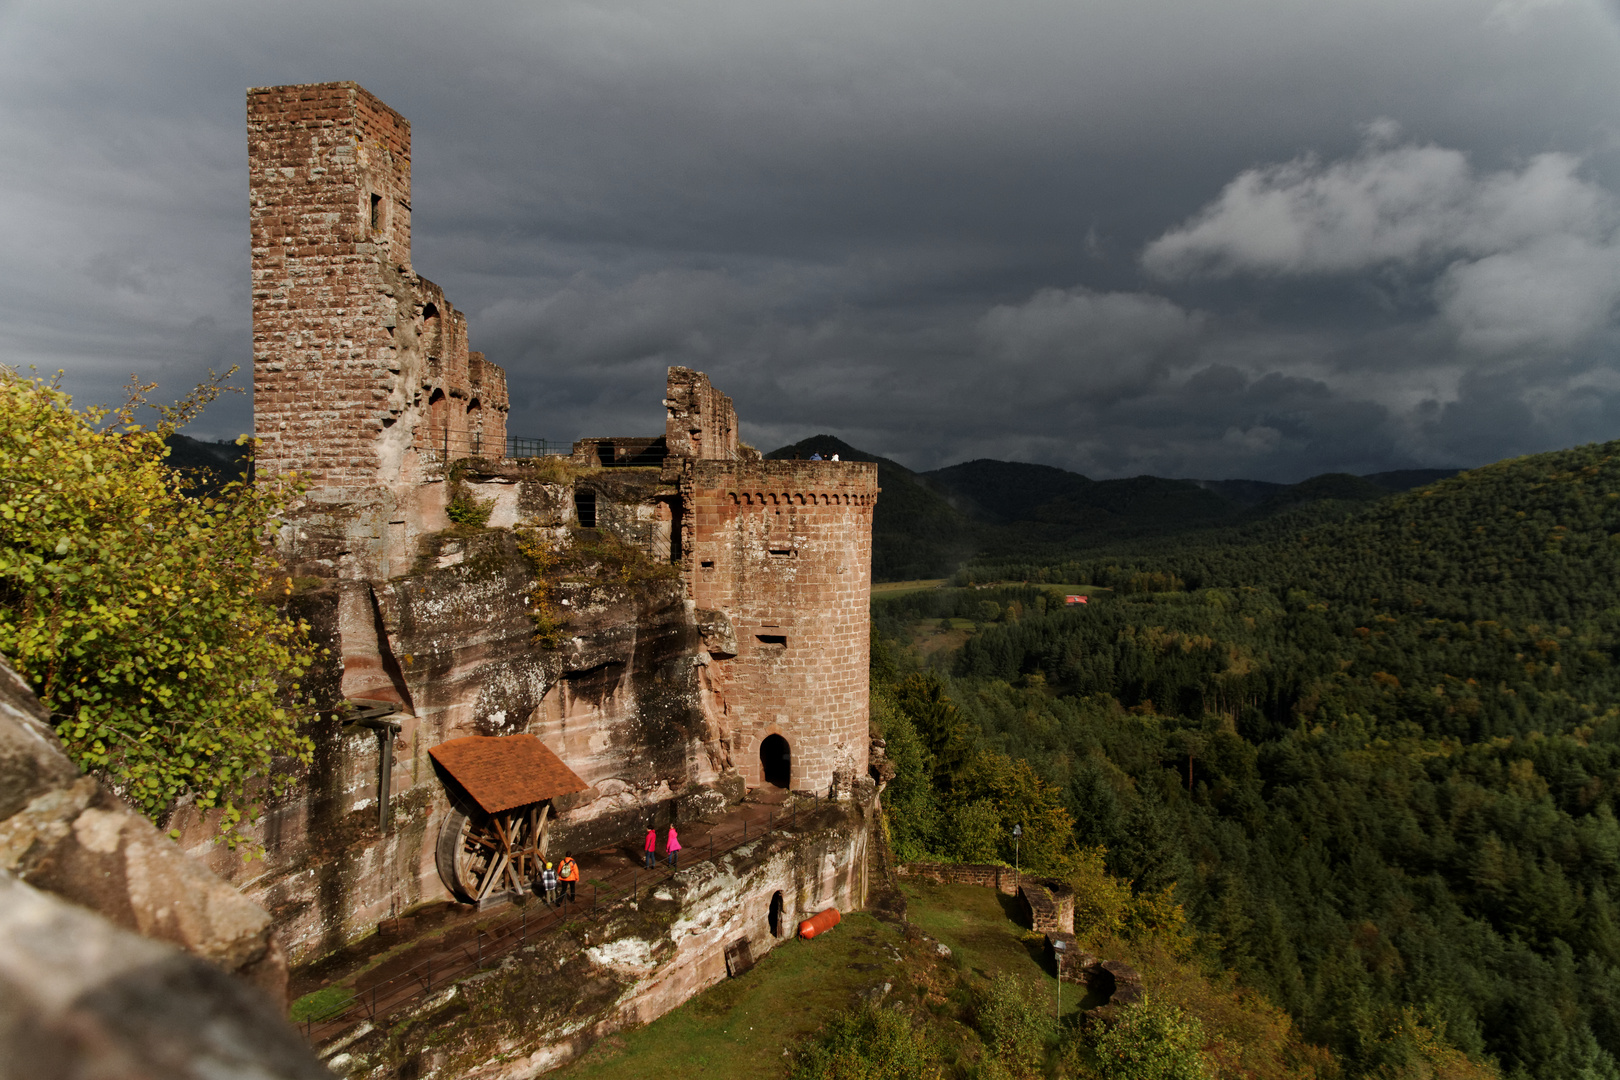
(1147, 1041)
(469, 512)
(144, 616)
(868, 1043)
(1016, 1024)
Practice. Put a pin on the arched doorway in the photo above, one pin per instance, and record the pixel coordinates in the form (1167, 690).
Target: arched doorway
(776, 761)
(776, 914)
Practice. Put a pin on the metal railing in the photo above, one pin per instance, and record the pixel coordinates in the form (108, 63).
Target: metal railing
(531, 448)
(441, 443)
(490, 943)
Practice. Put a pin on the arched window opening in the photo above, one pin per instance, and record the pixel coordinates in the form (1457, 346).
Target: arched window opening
(430, 331)
(439, 421)
(775, 916)
(475, 428)
(776, 761)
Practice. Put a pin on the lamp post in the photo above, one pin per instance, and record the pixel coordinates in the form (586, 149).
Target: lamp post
(1018, 832)
(1057, 959)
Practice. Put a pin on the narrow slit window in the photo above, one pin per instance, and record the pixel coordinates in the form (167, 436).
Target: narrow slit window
(376, 211)
(772, 641)
(708, 564)
(781, 551)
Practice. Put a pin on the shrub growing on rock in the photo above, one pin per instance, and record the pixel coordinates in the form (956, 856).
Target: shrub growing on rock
(144, 616)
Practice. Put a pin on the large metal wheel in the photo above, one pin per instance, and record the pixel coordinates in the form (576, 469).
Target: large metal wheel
(479, 854)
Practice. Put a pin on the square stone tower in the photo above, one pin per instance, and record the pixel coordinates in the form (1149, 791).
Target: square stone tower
(362, 378)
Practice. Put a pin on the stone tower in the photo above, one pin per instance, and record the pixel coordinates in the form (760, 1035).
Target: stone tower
(362, 378)
(784, 549)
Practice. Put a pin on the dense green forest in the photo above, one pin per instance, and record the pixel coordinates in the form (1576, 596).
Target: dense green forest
(1372, 748)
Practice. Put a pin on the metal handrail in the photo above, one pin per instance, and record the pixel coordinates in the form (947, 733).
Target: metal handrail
(491, 943)
(436, 445)
(522, 447)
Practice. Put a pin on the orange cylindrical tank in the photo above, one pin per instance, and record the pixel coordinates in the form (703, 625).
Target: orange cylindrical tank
(819, 924)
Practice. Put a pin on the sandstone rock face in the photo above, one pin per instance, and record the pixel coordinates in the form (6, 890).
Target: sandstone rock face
(81, 998)
(544, 1006)
(621, 701)
(70, 836)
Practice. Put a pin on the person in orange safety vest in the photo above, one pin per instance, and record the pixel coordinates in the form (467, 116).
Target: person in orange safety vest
(567, 875)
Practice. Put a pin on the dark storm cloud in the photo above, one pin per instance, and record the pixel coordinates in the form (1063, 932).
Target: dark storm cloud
(1257, 238)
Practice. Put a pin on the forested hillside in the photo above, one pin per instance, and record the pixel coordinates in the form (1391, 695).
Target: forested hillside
(928, 524)
(1376, 753)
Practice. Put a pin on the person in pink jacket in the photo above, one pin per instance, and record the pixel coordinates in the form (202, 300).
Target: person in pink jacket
(672, 845)
(652, 846)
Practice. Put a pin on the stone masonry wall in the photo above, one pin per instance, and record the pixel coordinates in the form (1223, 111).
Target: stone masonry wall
(784, 548)
(362, 376)
(322, 349)
(701, 421)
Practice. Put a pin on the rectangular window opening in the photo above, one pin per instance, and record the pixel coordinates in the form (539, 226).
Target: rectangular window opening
(781, 551)
(773, 640)
(376, 211)
(708, 564)
(585, 508)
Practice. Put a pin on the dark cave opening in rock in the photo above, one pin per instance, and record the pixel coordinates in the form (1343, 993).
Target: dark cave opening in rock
(776, 761)
(775, 917)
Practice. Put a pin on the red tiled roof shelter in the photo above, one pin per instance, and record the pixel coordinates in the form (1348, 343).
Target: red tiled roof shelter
(505, 771)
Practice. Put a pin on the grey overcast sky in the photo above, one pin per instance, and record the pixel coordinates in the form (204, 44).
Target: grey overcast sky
(1254, 238)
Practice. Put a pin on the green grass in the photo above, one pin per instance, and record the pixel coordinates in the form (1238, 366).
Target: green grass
(740, 1027)
(321, 1004)
(903, 588)
(977, 924)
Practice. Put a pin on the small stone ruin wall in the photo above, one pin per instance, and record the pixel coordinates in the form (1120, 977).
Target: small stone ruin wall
(989, 875)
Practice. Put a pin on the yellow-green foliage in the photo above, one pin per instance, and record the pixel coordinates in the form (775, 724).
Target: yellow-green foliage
(144, 617)
(1152, 1040)
(608, 558)
(868, 1043)
(542, 555)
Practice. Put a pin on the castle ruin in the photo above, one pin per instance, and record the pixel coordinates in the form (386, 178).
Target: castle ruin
(732, 656)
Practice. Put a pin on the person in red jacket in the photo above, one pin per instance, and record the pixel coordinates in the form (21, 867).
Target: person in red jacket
(652, 845)
(672, 845)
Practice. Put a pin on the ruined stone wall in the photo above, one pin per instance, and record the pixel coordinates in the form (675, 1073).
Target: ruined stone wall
(626, 966)
(701, 421)
(784, 548)
(362, 377)
(453, 643)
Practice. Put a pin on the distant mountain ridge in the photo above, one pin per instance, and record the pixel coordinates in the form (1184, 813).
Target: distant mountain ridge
(928, 523)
